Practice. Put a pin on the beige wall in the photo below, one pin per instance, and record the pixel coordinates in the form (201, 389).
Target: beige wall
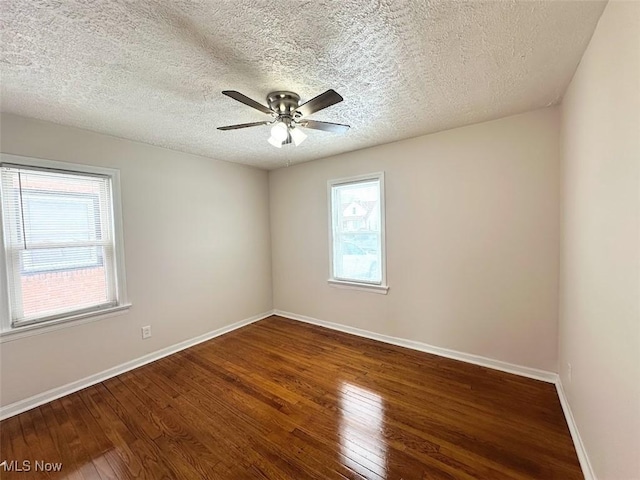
(472, 240)
(600, 267)
(197, 254)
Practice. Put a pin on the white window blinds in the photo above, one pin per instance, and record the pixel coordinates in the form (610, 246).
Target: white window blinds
(59, 242)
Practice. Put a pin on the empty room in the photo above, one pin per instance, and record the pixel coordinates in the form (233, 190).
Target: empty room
(277, 239)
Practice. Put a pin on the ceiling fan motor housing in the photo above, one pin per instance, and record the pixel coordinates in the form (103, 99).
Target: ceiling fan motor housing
(283, 103)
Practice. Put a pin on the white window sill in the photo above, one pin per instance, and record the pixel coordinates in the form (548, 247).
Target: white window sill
(365, 287)
(66, 322)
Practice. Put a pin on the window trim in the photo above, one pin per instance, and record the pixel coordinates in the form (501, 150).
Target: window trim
(7, 328)
(381, 287)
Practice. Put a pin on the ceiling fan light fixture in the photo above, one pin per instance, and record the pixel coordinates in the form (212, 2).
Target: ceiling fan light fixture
(297, 135)
(279, 132)
(275, 142)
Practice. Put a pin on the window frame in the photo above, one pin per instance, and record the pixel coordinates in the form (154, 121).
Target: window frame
(381, 287)
(8, 330)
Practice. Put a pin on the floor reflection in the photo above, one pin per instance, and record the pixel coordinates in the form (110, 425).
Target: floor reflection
(361, 422)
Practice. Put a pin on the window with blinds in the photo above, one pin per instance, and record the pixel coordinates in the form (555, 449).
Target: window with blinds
(59, 243)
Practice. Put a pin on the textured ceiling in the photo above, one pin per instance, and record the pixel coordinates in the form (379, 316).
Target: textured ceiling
(152, 70)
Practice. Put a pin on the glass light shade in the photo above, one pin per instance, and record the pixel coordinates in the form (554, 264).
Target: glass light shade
(279, 132)
(275, 142)
(297, 135)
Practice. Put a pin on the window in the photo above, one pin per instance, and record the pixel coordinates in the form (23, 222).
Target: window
(61, 232)
(356, 207)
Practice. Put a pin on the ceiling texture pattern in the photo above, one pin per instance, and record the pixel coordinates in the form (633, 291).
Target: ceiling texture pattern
(153, 70)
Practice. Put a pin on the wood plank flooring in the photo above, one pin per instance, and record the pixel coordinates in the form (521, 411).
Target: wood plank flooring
(280, 399)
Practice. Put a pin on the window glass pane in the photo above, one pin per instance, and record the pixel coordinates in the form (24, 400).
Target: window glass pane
(357, 253)
(61, 288)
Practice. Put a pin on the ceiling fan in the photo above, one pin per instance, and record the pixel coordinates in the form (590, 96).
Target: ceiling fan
(288, 113)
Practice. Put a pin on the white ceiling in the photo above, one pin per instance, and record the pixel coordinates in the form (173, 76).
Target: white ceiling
(152, 70)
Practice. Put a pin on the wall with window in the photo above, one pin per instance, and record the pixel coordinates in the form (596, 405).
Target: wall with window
(472, 240)
(197, 250)
(600, 263)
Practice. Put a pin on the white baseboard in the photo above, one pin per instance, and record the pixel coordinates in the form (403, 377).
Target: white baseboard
(55, 393)
(585, 464)
(528, 372)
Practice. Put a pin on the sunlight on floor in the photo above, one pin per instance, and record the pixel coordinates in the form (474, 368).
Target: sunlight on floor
(361, 422)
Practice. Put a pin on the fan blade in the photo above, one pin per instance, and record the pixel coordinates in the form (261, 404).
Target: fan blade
(247, 101)
(243, 125)
(324, 100)
(326, 126)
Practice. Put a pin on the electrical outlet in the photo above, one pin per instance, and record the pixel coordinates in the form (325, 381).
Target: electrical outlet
(569, 372)
(146, 331)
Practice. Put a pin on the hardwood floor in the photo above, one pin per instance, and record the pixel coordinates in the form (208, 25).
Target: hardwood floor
(280, 399)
